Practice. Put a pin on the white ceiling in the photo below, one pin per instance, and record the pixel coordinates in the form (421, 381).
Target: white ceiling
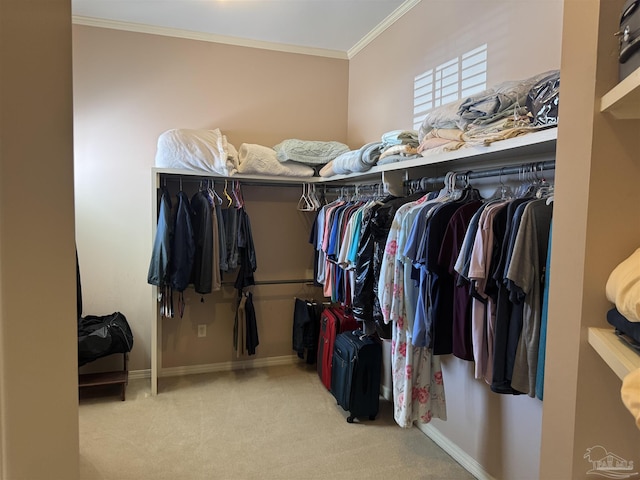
(333, 25)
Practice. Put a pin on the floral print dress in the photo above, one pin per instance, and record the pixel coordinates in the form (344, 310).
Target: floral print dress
(418, 388)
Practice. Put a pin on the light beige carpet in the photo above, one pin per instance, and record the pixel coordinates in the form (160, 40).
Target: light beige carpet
(267, 423)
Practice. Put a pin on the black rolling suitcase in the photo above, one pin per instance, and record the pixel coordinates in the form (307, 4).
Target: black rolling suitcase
(355, 378)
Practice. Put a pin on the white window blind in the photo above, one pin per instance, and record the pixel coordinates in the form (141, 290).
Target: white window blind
(449, 81)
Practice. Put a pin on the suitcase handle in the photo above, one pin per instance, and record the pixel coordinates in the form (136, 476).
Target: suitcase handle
(629, 10)
(627, 52)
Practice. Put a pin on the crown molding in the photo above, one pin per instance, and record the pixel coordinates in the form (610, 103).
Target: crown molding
(205, 37)
(382, 26)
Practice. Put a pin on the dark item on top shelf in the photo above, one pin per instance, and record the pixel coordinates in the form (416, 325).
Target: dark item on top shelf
(543, 100)
(99, 336)
(629, 35)
(356, 372)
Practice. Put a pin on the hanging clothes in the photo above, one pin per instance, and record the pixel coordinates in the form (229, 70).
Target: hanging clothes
(160, 256)
(252, 325)
(418, 387)
(239, 327)
(503, 330)
(216, 270)
(461, 345)
(183, 246)
(202, 223)
(230, 220)
(543, 322)
(246, 253)
(526, 271)
(306, 329)
(222, 239)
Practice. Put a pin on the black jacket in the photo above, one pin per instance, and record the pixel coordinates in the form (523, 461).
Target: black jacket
(202, 224)
(376, 224)
(183, 247)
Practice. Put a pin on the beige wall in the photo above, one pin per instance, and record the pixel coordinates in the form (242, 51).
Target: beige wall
(435, 31)
(502, 433)
(596, 227)
(129, 88)
(38, 331)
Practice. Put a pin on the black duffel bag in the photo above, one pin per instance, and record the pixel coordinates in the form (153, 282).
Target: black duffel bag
(99, 336)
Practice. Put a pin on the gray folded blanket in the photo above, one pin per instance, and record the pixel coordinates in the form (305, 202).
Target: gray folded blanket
(359, 160)
(309, 152)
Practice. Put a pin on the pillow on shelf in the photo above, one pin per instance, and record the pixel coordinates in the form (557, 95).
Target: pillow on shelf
(201, 150)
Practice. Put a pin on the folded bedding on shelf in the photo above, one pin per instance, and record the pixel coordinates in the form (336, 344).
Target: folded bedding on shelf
(502, 99)
(261, 160)
(528, 103)
(309, 152)
(398, 153)
(202, 150)
(352, 161)
(399, 137)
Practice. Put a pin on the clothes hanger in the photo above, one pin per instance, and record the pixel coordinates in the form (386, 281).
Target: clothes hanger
(237, 194)
(503, 191)
(305, 204)
(544, 188)
(314, 197)
(211, 187)
(226, 194)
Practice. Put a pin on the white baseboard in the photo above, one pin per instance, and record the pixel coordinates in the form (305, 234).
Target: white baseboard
(386, 392)
(228, 366)
(139, 374)
(463, 458)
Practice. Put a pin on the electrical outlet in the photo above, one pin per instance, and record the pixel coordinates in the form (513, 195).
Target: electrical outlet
(202, 330)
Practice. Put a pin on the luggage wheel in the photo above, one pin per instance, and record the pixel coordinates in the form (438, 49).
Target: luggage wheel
(351, 417)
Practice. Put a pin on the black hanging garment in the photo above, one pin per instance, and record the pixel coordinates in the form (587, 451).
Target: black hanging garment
(202, 224)
(246, 252)
(252, 325)
(183, 246)
(306, 328)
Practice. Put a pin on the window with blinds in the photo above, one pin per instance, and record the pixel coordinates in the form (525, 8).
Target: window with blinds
(457, 78)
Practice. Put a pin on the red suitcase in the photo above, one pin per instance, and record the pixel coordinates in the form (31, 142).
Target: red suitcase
(333, 320)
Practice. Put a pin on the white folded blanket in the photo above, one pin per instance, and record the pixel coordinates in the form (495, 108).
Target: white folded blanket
(202, 150)
(258, 159)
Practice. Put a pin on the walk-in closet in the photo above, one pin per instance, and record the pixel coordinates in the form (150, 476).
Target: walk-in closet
(80, 136)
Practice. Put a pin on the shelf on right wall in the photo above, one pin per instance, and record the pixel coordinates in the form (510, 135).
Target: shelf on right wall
(621, 358)
(623, 100)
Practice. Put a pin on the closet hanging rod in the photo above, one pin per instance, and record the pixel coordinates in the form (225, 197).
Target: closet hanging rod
(275, 282)
(244, 182)
(495, 171)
